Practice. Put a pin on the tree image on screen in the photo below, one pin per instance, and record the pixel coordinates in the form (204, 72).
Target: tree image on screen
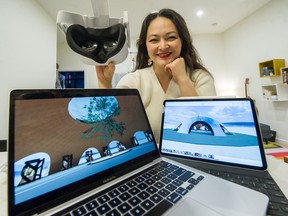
(99, 113)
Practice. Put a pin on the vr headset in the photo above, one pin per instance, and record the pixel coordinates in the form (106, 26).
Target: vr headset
(98, 40)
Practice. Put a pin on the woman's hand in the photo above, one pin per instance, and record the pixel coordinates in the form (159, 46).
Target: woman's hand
(105, 75)
(177, 69)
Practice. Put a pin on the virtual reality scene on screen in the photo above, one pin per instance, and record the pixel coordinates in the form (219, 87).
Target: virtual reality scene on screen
(73, 139)
(212, 132)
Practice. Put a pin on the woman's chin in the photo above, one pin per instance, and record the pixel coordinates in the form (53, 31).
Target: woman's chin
(164, 62)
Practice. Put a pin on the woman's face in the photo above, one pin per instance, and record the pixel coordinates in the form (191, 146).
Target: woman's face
(163, 42)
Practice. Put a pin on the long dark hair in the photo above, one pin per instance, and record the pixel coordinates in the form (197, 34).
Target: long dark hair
(188, 51)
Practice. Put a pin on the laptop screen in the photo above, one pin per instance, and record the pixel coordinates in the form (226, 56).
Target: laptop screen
(63, 141)
(223, 131)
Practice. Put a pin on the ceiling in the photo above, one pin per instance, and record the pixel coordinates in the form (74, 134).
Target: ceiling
(219, 15)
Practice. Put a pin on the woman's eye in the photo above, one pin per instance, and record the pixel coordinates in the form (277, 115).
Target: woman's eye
(153, 40)
(172, 38)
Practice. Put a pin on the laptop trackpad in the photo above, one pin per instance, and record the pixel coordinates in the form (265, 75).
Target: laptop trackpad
(192, 207)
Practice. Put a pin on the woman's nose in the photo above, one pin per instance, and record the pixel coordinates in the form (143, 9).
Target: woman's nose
(163, 44)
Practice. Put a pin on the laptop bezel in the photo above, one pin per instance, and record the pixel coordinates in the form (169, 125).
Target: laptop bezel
(209, 162)
(59, 196)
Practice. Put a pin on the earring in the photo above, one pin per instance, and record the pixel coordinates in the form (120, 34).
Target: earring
(150, 62)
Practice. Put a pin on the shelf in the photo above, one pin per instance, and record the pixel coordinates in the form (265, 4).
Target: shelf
(275, 92)
(271, 67)
(284, 75)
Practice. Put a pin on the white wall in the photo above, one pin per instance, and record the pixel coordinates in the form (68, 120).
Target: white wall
(27, 53)
(260, 37)
(210, 49)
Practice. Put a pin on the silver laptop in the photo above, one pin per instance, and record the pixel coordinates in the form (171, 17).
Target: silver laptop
(92, 152)
(220, 136)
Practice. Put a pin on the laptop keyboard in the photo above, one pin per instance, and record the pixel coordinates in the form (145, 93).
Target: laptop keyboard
(278, 203)
(151, 192)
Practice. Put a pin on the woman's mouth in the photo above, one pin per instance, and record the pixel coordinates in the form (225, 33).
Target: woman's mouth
(164, 55)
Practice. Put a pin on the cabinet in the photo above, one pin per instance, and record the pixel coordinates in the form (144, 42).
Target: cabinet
(271, 67)
(275, 70)
(275, 92)
(284, 75)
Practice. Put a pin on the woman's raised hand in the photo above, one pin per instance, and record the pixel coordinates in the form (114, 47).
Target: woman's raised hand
(105, 75)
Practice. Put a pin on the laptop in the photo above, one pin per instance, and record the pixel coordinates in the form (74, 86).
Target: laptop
(220, 136)
(92, 152)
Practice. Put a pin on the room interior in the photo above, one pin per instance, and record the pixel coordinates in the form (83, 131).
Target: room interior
(232, 38)
(230, 50)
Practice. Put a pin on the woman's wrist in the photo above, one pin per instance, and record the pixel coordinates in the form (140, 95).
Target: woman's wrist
(104, 84)
(187, 88)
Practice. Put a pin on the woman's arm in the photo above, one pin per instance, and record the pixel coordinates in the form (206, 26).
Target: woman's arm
(177, 68)
(202, 84)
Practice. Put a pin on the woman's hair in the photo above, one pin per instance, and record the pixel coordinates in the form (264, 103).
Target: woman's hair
(188, 51)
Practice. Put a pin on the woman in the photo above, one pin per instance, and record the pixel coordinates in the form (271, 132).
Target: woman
(167, 66)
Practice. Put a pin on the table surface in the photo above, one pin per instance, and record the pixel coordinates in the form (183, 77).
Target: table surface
(277, 168)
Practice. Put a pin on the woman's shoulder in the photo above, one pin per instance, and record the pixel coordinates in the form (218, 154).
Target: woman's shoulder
(197, 72)
(140, 74)
(136, 77)
(200, 74)
(203, 82)
(143, 71)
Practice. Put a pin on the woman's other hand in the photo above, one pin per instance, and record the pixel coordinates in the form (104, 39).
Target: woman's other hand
(177, 69)
(105, 75)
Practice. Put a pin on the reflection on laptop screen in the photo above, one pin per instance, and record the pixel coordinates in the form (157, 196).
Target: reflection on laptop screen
(213, 130)
(59, 141)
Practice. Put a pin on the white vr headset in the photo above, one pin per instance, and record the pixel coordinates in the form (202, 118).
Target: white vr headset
(99, 39)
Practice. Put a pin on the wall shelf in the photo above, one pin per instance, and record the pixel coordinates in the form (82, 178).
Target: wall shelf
(275, 92)
(284, 75)
(271, 67)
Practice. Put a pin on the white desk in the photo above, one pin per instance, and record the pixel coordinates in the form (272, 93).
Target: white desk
(277, 168)
(279, 171)
(3, 183)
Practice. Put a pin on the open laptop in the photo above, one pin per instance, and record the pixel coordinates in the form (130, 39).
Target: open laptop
(92, 152)
(220, 136)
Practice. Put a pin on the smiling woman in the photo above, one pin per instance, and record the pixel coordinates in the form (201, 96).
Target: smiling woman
(240, 44)
(167, 65)
(228, 31)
